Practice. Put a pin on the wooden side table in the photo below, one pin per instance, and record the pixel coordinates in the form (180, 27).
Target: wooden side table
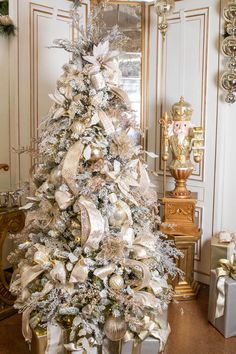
(12, 220)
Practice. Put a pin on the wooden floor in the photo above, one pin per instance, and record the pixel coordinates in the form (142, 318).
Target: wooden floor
(191, 333)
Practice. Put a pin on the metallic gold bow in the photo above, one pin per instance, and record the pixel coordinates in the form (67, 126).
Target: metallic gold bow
(227, 268)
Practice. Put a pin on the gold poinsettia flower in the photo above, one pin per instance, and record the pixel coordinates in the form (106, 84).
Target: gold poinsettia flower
(112, 249)
(122, 146)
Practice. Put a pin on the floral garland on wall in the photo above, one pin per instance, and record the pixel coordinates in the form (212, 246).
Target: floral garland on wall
(7, 26)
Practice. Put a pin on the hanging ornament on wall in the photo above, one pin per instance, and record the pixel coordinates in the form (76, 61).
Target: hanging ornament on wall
(228, 79)
(163, 9)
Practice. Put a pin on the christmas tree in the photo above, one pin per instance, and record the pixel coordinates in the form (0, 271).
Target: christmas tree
(90, 259)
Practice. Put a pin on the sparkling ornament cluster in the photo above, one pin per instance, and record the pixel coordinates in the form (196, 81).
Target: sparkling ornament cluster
(228, 79)
(90, 257)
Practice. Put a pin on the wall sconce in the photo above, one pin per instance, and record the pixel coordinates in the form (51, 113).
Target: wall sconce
(163, 9)
(228, 79)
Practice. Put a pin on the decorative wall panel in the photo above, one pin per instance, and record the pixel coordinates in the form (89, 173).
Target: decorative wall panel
(186, 65)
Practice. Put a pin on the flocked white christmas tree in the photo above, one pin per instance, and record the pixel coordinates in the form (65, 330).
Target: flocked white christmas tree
(90, 259)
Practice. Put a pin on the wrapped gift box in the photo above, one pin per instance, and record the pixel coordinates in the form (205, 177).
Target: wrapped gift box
(225, 324)
(148, 346)
(220, 250)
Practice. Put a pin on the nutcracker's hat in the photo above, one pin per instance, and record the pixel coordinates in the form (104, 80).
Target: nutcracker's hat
(182, 110)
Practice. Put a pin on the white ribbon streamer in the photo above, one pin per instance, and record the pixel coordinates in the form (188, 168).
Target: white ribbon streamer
(55, 340)
(220, 302)
(97, 225)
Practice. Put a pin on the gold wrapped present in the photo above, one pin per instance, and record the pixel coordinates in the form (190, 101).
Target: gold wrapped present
(39, 342)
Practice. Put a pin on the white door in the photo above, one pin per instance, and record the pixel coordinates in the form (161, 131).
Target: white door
(36, 69)
(187, 65)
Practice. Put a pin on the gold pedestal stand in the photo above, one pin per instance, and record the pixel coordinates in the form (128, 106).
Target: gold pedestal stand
(179, 225)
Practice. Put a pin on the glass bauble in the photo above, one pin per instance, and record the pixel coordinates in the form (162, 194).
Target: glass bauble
(228, 81)
(231, 29)
(115, 328)
(229, 46)
(164, 7)
(230, 98)
(118, 217)
(232, 64)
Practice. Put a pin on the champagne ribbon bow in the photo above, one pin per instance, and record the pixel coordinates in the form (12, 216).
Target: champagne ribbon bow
(227, 269)
(123, 180)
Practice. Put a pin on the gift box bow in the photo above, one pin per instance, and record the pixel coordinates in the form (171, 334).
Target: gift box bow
(227, 268)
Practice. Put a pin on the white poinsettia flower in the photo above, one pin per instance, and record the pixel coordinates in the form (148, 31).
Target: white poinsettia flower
(102, 58)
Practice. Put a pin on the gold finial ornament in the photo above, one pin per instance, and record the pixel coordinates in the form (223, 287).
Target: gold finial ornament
(182, 110)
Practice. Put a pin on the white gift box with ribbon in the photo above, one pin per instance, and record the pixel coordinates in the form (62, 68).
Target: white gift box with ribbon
(222, 304)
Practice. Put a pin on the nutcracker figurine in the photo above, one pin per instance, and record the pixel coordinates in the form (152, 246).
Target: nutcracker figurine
(183, 141)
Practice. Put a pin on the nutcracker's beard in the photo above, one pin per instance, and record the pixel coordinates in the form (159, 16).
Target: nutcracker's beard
(181, 136)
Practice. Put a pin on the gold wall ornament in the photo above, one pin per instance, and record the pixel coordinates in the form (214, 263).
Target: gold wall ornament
(12, 221)
(115, 328)
(182, 140)
(163, 9)
(228, 79)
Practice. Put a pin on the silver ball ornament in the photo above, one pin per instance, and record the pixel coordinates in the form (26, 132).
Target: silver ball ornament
(118, 217)
(56, 176)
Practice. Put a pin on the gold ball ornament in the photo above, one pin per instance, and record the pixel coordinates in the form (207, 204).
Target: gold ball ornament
(78, 239)
(116, 282)
(115, 328)
(165, 157)
(96, 154)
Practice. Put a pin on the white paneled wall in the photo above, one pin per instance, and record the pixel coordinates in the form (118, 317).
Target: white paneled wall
(29, 71)
(4, 111)
(187, 65)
